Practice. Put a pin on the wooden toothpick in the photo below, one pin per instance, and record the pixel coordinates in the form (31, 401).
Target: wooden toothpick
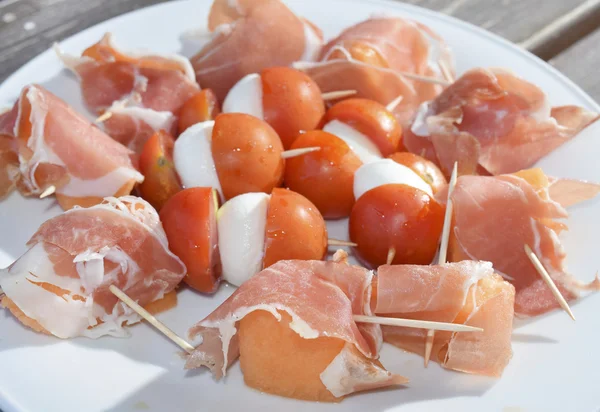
(394, 103)
(443, 251)
(48, 191)
(299, 152)
(340, 94)
(103, 117)
(151, 319)
(426, 79)
(418, 324)
(445, 71)
(546, 276)
(390, 256)
(337, 242)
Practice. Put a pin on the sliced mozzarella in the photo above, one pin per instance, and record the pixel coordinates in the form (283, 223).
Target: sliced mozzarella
(193, 159)
(386, 171)
(365, 149)
(241, 223)
(312, 43)
(246, 96)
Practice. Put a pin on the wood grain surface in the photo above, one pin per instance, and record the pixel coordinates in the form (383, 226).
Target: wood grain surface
(581, 63)
(545, 27)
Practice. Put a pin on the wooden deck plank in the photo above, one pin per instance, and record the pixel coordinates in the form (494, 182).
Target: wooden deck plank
(581, 62)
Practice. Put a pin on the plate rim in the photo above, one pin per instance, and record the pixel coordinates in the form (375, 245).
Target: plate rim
(6, 400)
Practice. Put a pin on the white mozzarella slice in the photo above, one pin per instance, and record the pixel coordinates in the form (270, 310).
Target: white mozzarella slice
(365, 149)
(246, 96)
(312, 43)
(193, 159)
(241, 222)
(384, 171)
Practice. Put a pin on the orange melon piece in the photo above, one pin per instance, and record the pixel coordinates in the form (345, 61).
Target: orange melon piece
(167, 302)
(487, 288)
(18, 313)
(161, 305)
(276, 360)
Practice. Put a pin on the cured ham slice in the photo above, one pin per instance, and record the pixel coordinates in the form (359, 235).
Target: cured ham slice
(316, 301)
(9, 159)
(132, 126)
(58, 147)
(249, 36)
(518, 210)
(374, 53)
(466, 292)
(60, 285)
(492, 119)
(108, 75)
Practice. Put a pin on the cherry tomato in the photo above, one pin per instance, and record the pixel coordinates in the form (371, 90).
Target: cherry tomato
(292, 102)
(371, 119)
(325, 177)
(247, 154)
(191, 226)
(423, 167)
(400, 217)
(201, 107)
(361, 52)
(156, 164)
(295, 229)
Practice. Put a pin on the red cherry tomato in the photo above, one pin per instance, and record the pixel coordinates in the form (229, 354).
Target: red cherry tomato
(292, 102)
(156, 164)
(191, 226)
(371, 119)
(295, 229)
(201, 107)
(247, 154)
(400, 217)
(428, 171)
(325, 177)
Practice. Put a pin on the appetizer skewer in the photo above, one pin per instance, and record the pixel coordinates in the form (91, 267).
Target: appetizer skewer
(60, 152)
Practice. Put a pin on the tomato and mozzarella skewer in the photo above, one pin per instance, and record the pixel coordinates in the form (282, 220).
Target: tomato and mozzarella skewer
(257, 230)
(248, 233)
(236, 153)
(360, 131)
(401, 167)
(285, 98)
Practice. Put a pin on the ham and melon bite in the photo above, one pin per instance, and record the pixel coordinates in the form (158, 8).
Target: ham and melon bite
(383, 58)
(292, 327)
(519, 210)
(60, 286)
(492, 122)
(60, 150)
(466, 292)
(249, 36)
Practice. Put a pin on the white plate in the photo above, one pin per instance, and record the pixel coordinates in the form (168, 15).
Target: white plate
(555, 364)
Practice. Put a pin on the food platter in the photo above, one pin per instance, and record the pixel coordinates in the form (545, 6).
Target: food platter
(554, 365)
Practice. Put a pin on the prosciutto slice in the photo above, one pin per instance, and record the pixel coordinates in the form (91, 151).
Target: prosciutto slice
(249, 36)
(494, 120)
(108, 74)
(466, 292)
(494, 217)
(380, 49)
(143, 92)
(59, 147)
(321, 298)
(60, 285)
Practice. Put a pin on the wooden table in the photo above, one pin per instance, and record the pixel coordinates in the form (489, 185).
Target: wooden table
(564, 32)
